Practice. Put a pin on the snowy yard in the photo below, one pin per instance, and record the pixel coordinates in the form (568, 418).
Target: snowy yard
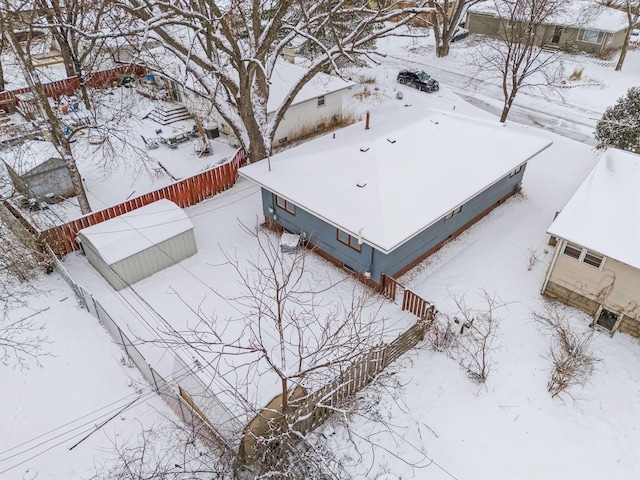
(84, 393)
(443, 424)
(206, 285)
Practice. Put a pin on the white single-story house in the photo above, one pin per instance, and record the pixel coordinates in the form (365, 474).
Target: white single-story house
(577, 25)
(38, 171)
(139, 243)
(317, 105)
(378, 200)
(596, 263)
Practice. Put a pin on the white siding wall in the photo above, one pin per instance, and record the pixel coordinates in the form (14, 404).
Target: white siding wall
(145, 263)
(616, 285)
(305, 116)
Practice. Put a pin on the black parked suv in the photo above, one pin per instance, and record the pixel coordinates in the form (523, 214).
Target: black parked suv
(421, 80)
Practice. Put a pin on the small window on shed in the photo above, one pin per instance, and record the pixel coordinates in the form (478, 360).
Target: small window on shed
(572, 250)
(321, 100)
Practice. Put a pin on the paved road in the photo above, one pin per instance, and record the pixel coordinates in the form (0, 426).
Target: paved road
(571, 121)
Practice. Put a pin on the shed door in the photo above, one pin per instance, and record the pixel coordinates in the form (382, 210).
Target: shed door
(557, 33)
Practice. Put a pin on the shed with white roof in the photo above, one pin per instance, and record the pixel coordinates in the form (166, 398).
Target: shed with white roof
(596, 264)
(38, 171)
(136, 245)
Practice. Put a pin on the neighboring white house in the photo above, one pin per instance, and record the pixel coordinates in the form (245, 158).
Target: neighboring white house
(317, 104)
(139, 243)
(596, 263)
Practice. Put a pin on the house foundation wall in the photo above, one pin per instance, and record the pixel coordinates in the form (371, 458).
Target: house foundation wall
(627, 324)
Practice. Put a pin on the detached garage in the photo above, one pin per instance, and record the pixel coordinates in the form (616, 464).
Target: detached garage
(140, 243)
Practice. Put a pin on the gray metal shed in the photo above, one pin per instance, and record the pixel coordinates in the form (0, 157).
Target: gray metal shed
(140, 243)
(38, 171)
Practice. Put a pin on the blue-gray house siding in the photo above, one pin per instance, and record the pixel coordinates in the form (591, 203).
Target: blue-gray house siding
(368, 259)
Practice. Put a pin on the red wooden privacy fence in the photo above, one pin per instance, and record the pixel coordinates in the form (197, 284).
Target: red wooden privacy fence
(68, 86)
(184, 193)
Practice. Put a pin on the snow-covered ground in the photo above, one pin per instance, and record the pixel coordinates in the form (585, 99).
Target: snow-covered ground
(123, 167)
(85, 392)
(443, 422)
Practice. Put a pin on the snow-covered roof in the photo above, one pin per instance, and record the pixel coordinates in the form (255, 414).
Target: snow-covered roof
(25, 157)
(604, 213)
(572, 13)
(286, 74)
(415, 170)
(138, 230)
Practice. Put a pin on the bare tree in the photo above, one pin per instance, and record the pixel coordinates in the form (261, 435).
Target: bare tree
(445, 20)
(516, 58)
(476, 331)
(79, 28)
(570, 351)
(289, 332)
(22, 50)
(21, 262)
(632, 9)
(230, 50)
(170, 452)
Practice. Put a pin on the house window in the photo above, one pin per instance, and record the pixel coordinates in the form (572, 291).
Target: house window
(285, 205)
(573, 251)
(607, 319)
(516, 171)
(583, 255)
(348, 240)
(591, 36)
(593, 259)
(453, 213)
(321, 100)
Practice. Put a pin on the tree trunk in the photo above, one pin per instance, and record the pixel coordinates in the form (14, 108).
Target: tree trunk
(2, 45)
(625, 47)
(442, 50)
(58, 138)
(1, 77)
(507, 106)
(82, 81)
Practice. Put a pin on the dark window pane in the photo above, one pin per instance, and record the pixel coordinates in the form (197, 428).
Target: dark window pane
(572, 251)
(593, 259)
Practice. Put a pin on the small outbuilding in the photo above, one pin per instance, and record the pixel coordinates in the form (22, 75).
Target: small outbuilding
(140, 243)
(38, 171)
